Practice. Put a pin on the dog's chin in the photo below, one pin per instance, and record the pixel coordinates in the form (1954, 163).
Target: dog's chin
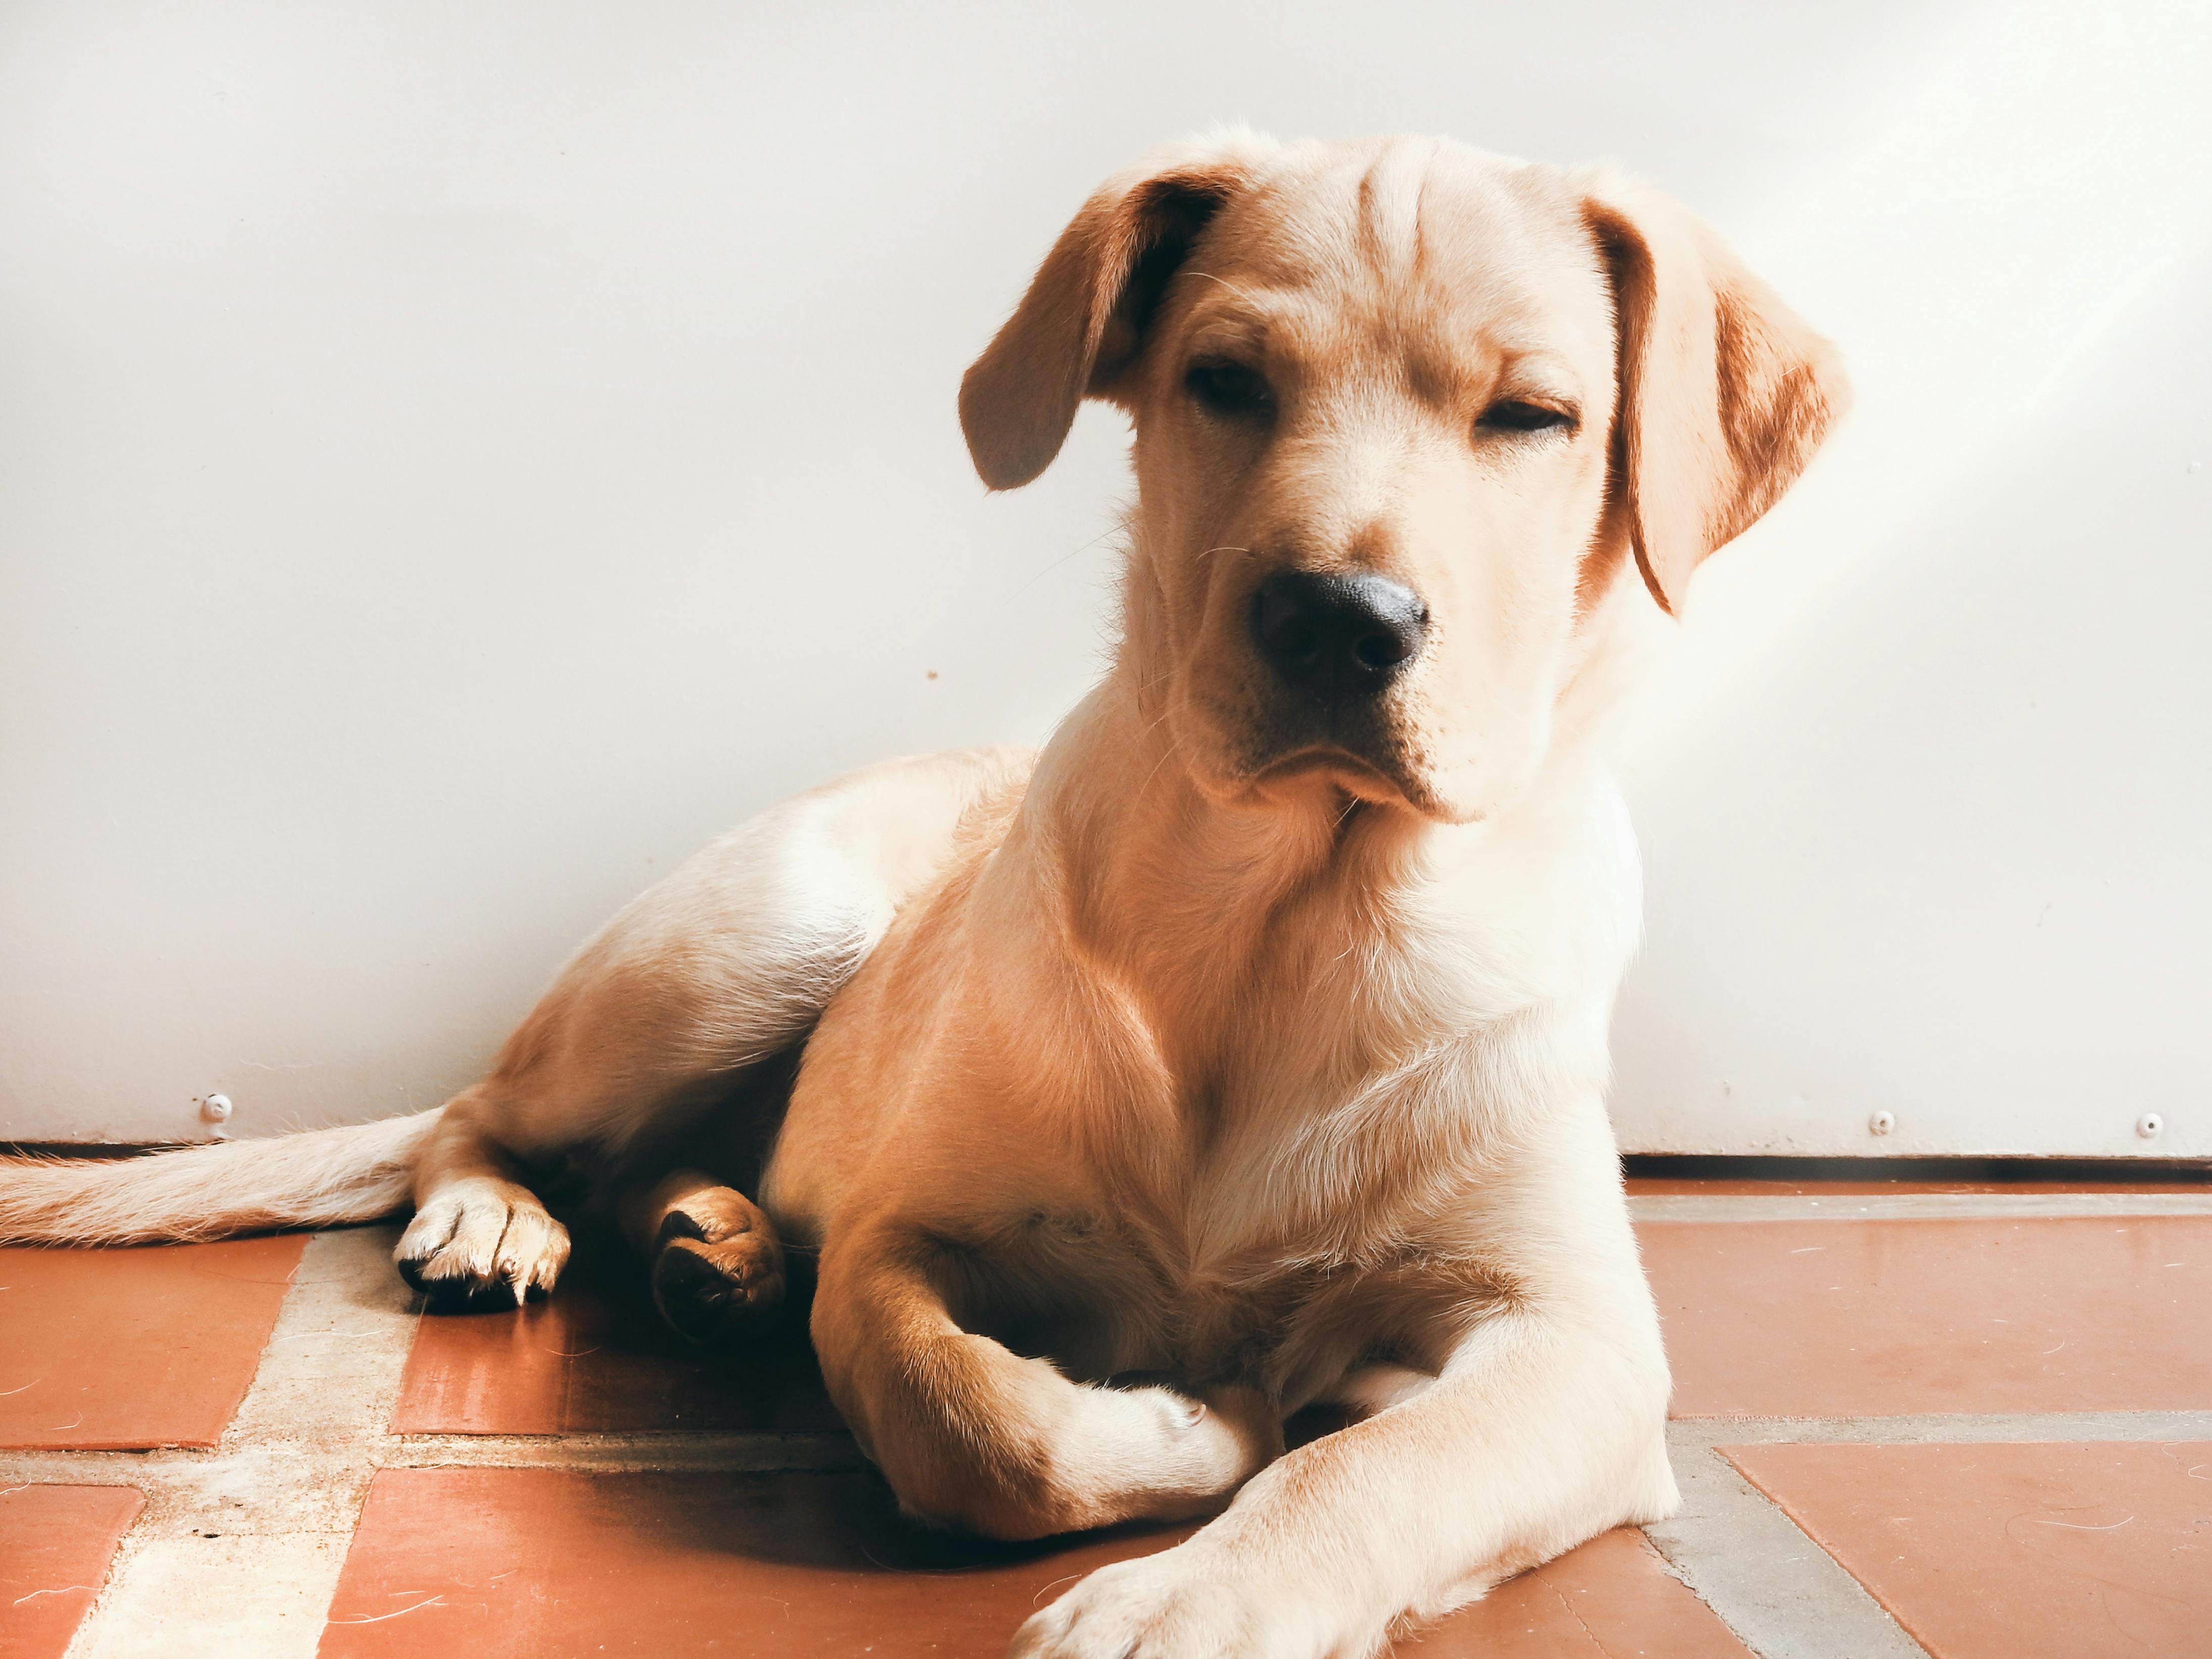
(1331, 779)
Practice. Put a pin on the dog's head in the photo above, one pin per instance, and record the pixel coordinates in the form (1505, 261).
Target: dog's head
(1404, 414)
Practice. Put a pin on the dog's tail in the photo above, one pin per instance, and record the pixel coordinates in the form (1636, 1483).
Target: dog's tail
(319, 1179)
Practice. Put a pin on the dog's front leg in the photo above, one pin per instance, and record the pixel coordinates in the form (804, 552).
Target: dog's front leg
(1541, 1431)
(970, 1435)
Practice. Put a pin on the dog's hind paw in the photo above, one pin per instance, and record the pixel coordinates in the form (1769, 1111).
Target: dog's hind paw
(481, 1244)
(717, 1267)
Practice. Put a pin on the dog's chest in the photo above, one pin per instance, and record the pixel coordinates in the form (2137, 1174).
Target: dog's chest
(1293, 1226)
(1118, 1304)
(1106, 1292)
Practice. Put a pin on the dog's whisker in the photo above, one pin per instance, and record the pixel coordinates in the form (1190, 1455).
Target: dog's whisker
(1173, 748)
(1074, 553)
(1237, 289)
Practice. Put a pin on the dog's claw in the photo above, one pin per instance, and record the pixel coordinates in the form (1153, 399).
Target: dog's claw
(479, 1242)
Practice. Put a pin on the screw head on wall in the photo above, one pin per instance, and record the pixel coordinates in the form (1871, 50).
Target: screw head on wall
(215, 1109)
(2149, 1124)
(1880, 1123)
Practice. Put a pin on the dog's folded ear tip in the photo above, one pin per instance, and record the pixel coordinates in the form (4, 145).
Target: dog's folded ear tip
(1000, 472)
(1004, 460)
(1009, 440)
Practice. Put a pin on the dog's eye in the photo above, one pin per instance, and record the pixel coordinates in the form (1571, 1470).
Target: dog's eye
(1514, 415)
(1230, 390)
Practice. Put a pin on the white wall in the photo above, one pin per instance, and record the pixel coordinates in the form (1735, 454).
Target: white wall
(1926, 806)
(454, 457)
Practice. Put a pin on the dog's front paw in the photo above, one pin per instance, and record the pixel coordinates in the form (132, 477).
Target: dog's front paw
(1183, 1603)
(478, 1243)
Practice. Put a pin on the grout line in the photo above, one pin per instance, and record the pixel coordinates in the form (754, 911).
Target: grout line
(1959, 1428)
(671, 1452)
(1783, 1595)
(184, 1474)
(1912, 1206)
(180, 1470)
(43, 1467)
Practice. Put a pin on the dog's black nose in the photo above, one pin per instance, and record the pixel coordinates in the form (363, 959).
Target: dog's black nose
(1337, 636)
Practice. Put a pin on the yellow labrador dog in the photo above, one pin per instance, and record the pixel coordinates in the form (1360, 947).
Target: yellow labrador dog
(1246, 1047)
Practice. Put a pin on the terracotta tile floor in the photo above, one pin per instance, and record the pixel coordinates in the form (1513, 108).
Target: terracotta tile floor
(134, 1348)
(756, 1566)
(55, 1546)
(2019, 1552)
(569, 1479)
(1883, 1318)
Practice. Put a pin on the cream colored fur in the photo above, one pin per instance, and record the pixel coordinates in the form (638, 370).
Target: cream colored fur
(1228, 1056)
(354, 1174)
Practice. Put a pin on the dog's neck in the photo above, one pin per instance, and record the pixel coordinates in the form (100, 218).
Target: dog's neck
(1207, 913)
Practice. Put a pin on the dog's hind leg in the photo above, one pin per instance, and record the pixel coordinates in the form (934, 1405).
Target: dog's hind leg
(700, 985)
(480, 1237)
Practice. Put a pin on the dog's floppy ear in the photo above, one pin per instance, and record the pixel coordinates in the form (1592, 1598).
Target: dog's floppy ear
(1083, 318)
(1723, 392)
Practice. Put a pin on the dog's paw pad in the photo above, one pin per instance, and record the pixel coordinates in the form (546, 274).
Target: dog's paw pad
(714, 1293)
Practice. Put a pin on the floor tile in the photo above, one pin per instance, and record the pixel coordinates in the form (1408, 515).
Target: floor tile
(546, 1564)
(1764, 1187)
(55, 1546)
(1980, 1175)
(151, 1345)
(2015, 1551)
(1612, 1599)
(598, 1358)
(1885, 1318)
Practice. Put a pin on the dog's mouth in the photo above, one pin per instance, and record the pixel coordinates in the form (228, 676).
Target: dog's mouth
(1354, 775)
(1297, 758)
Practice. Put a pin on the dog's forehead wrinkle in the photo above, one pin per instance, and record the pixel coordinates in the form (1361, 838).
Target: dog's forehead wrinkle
(1388, 203)
(1256, 318)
